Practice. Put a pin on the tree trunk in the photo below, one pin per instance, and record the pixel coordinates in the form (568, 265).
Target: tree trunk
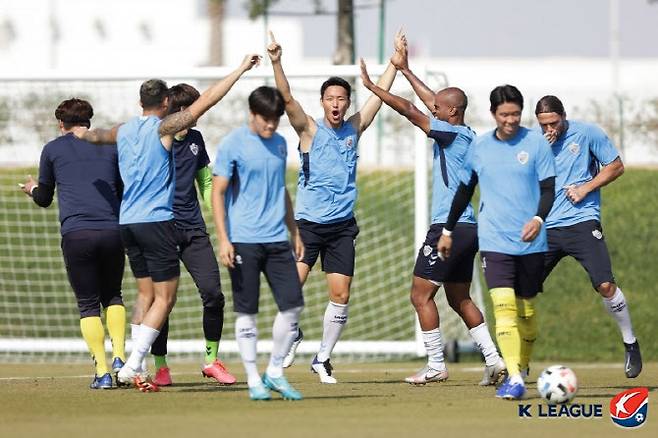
(345, 51)
(216, 16)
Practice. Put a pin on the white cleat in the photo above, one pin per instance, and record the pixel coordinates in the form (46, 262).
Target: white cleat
(494, 374)
(427, 375)
(324, 370)
(290, 357)
(126, 375)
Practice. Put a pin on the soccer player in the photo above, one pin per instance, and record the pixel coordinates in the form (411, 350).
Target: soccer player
(89, 194)
(146, 217)
(452, 139)
(516, 172)
(195, 250)
(251, 208)
(326, 193)
(574, 223)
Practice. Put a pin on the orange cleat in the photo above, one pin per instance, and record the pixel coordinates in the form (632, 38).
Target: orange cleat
(218, 371)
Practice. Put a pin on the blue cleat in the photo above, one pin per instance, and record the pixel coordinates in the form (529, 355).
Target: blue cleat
(102, 382)
(259, 392)
(511, 391)
(117, 364)
(281, 385)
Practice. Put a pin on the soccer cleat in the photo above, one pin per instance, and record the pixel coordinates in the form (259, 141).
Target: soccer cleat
(281, 385)
(142, 381)
(290, 357)
(510, 391)
(494, 374)
(117, 364)
(259, 392)
(323, 369)
(102, 382)
(633, 364)
(144, 384)
(427, 375)
(217, 370)
(163, 377)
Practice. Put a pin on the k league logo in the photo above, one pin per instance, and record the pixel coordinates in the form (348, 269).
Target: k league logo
(628, 409)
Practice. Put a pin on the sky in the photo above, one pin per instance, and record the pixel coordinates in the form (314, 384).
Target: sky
(484, 28)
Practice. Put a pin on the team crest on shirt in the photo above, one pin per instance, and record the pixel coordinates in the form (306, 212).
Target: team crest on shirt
(522, 157)
(574, 148)
(194, 148)
(427, 250)
(349, 143)
(598, 234)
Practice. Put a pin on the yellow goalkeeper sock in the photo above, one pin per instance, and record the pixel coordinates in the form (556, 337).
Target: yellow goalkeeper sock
(507, 330)
(527, 321)
(94, 336)
(116, 326)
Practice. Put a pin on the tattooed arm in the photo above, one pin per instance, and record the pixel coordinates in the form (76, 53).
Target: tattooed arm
(181, 120)
(97, 136)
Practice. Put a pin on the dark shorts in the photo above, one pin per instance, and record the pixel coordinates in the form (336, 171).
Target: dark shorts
(458, 268)
(277, 262)
(334, 243)
(152, 249)
(94, 262)
(584, 242)
(523, 273)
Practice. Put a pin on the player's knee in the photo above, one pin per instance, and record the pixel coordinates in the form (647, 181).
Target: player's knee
(341, 296)
(89, 307)
(213, 298)
(607, 289)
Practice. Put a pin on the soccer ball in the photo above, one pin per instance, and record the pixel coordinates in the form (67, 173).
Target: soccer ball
(557, 384)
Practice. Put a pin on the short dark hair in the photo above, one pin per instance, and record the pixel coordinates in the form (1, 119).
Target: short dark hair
(505, 94)
(549, 104)
(335, 80)
(74, 112)
(267, 102)
(152, 93)
(181, 95)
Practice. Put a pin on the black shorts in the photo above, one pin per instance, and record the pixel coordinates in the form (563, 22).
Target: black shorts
(277, 262)
(458, 268)
(94, 262)
(334, 243)
(584, 242)
(152, 249)
(523, 273)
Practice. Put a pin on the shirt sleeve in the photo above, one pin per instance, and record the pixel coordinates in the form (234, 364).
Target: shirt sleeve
(601, 146)
(202, 159)
(443, 133)
(468, 168)
(224, 161)
(46, 170)
(545, 163)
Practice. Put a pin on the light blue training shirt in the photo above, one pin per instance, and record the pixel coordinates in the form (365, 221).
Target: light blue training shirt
(451, 143)
(255, 199)
(326, 189)
(147, 172)
(578, 154)
(508, 173)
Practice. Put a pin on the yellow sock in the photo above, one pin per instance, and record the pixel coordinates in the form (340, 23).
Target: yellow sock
(94, 335)
(527, 321)
(507, 330)
(116, 327)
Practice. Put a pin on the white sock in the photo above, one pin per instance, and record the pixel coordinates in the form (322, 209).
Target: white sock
(616, 306)
(434, 348)
(284, 332)
(246, 333)
(482, 338)
(134, 334)
(335, 318)
(141, 345)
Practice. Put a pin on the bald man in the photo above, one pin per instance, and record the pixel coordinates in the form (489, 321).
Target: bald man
(452, 139)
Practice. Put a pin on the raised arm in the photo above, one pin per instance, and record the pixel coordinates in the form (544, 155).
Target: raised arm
(399, 104)
(176, 122)
(303, 125)
(401, 62)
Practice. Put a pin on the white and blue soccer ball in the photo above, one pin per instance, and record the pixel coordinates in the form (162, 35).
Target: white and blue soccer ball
(557, 384)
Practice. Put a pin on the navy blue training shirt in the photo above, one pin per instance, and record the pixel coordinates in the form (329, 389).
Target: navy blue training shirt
(87, 180)
(189, 157)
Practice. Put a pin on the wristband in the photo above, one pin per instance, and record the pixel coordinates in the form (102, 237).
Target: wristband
(446, 233)
(539, 219)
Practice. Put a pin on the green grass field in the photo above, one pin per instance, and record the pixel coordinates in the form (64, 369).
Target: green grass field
(369, 401)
